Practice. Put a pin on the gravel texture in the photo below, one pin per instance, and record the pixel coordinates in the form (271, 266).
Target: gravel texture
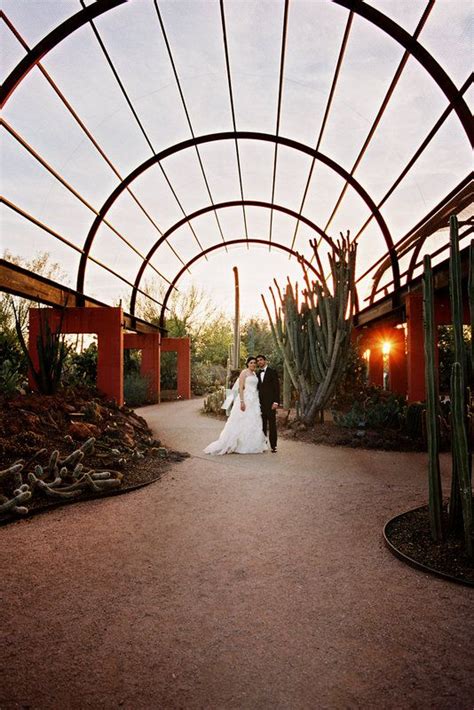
(255, 581)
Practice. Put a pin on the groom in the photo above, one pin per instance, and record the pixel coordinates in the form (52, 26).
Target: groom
(269, 395)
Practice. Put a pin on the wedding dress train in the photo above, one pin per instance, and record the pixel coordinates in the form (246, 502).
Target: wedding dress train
(243, 432)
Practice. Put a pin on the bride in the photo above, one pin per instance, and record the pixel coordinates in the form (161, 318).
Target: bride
(243, 432)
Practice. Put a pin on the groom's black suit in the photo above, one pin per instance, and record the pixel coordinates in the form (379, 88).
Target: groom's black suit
(269, 392)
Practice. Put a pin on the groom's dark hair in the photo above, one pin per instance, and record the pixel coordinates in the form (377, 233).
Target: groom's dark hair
(263, 356)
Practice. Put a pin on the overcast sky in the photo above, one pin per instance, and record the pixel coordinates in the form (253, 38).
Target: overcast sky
(132, 36)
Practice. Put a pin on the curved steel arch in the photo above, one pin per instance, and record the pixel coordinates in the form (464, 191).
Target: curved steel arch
(427, 61)
(369, 13)
(232, 242)
(51, 40)
(210, 208)
(237, 135)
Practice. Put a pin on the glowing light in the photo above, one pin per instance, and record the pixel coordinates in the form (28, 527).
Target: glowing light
(386, 348)
(366, 355)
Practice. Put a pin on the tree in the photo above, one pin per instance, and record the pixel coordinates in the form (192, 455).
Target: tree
(192, 313)
(40, 264)
(9, 345)
(257, 339)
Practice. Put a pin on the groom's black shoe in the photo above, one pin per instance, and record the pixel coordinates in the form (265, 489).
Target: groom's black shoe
(274, 451)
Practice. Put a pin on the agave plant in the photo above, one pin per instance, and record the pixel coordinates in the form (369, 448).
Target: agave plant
(52, 353)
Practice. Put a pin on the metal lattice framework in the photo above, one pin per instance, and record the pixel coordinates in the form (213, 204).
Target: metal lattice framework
(394, 266)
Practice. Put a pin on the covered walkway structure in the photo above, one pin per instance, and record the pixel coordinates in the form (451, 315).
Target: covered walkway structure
(145, 138)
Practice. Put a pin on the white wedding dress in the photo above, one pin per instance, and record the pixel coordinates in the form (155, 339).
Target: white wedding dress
(243, 432)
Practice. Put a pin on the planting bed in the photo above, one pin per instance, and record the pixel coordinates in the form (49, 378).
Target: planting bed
(32, 426)
(408, 536)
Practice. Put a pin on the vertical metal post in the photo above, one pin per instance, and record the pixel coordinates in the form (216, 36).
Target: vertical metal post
(236, 353)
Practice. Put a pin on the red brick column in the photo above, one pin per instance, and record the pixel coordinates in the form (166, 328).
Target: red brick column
(397, 362)
(106, 322)
(415, 347)
(182, 346)
(110, 353)
(149, 344)
(376, 363)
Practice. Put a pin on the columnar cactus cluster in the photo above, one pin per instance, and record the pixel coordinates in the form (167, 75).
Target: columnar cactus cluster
(460, 502)
(432, 399)
(59, 479)
(313, 331)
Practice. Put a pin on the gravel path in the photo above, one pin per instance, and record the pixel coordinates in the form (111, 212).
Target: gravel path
(235, 582)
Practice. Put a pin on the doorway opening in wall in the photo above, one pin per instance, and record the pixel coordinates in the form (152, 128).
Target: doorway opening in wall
(135, 385)
(169, 376)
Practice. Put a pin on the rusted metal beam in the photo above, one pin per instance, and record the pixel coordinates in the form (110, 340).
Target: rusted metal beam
(52, 40)
(382, 109)
(232, 109)
(427, 61)
(332, 91)
(232, 242)
(392, 305)
(278, 115)
(240, 135)
(219, 206)
(186, 112)
(457, 200)
(21, 282)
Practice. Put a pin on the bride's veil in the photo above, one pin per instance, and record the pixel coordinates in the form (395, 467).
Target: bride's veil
(231, 395)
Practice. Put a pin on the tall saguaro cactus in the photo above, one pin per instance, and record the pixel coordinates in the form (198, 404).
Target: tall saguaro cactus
(432, 418)
(313, 335)
(460, 504)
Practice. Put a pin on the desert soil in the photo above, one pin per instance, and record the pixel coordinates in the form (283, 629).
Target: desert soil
(233, 582)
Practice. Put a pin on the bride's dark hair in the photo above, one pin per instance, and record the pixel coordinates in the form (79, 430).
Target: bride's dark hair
(249, 359)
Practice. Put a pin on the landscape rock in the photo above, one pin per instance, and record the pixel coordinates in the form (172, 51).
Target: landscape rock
(83, 430)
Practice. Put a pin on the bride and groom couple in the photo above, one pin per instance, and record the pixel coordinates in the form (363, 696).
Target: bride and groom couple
(256, 396)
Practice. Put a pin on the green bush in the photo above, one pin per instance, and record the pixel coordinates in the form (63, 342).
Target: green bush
(168, 371)
(10, 350)
(11, 378)
(413, 419)
(135, 389)
(353, 383)
(214, 401)
(206, 378)
(82, 367)
(378, 411)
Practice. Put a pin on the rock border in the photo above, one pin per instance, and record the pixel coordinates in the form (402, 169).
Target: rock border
(413, 562)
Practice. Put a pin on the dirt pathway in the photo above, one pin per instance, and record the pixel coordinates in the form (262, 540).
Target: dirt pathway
(235, 582)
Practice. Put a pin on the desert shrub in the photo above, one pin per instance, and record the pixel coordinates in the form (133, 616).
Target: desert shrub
(206, 378)
(214, 401)
(131, 361)
(82, 366)
(353, 384)
(11, 378)
(135, 389)
(168, 376)
(413, 419)
(379, 410)
(10, 349)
